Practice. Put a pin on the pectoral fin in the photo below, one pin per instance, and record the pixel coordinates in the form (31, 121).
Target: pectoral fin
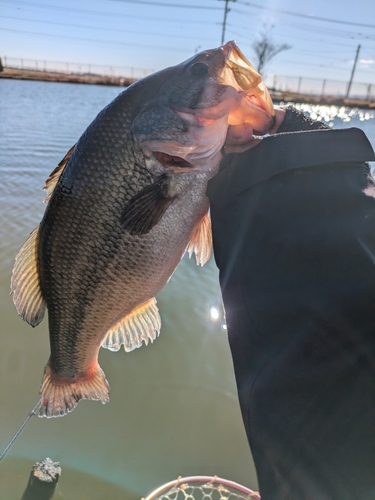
(142, 324)
(147, 207)
(201, 241)
(25, 286)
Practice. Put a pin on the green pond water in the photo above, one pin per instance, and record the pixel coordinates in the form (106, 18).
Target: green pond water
(173, 408)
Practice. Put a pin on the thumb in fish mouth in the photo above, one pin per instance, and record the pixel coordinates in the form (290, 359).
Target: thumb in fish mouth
(239, 134)
(242, 133)
(240, 137)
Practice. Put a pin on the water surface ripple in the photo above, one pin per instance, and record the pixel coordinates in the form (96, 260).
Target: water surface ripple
(173, 408)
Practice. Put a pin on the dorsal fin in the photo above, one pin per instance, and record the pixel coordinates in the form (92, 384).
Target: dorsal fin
(201, 241)
(25, 285)
(142, 324)
(54, 176)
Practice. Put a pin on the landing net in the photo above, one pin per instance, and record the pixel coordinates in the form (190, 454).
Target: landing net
(202, 488)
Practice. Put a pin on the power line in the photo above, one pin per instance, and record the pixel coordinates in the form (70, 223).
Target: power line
(306, 16)
(308, 64)
(317, 29)
(79, 64)
(324, 57)
(99, 29)
(328, 31)
(125, 43)
(102, 13)
(163, 4)
(234, 33)
(33, 33)
(371, 55)
(306, 28)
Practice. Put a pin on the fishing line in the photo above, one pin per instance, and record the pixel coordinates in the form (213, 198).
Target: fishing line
(33, 412)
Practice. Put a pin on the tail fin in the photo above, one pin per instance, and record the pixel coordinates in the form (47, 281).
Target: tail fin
(59, 396)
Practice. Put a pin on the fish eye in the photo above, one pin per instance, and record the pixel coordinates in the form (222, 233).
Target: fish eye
(199, 69)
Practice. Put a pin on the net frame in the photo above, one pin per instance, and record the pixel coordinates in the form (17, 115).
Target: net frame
(214, 482)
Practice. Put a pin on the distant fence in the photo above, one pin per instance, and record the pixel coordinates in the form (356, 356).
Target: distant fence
(320, 87)
(302, 85)
(75, 68)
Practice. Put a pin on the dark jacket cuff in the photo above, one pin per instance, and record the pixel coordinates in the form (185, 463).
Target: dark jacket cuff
(295, 121)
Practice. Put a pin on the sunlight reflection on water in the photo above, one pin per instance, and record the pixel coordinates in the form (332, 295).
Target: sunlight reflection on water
(173, 405)
(337, 115)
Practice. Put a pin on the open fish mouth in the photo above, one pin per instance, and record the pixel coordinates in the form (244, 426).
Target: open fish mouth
(255, 104)
(238, 71)
(224, 101)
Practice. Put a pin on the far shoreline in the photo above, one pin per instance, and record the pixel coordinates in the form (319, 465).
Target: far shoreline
(92, 79)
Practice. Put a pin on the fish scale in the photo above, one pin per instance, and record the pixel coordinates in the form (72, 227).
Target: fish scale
(124, 205)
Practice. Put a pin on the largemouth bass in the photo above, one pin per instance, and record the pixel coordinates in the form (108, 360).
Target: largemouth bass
(124, 205)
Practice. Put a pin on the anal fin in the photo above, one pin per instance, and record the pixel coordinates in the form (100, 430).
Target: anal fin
(60, 396)
(142, 324)
(201, 241)
(25, 285)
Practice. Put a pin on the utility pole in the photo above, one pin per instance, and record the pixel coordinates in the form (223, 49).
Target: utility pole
(353, 70)
(226, 10)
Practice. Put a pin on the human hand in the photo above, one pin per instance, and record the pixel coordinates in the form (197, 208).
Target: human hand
(279, 118)
(240, 137)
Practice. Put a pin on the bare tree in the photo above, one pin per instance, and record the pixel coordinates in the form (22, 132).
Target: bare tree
(265, 49)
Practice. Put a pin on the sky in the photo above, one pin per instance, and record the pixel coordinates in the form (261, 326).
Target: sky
(136, 37)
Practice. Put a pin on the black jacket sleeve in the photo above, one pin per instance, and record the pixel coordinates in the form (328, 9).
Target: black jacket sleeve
(293, 223)
(295, 121)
